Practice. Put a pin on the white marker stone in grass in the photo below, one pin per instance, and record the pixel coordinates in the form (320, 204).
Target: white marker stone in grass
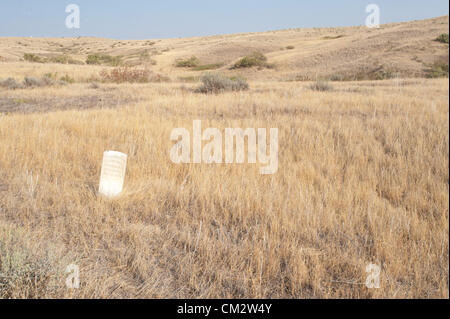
(113, 173)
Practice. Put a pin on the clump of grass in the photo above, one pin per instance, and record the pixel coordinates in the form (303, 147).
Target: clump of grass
(216, 83)
(290, 47)
(103, 59)
(24, 273)
(188, 63)
(30, 57)
(67, 79)
(321, 86)
(443, 38)
(255, 59)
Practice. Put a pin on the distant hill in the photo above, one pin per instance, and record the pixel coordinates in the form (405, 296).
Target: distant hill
(405, 49)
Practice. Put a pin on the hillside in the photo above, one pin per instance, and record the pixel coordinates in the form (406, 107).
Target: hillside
(394, 50)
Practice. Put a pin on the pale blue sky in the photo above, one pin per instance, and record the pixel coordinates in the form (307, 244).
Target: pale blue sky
(141, 19)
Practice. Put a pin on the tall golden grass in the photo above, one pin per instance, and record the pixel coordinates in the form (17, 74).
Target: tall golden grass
(363, 178)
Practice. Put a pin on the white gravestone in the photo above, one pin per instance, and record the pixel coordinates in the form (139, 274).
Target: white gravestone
(113, 173)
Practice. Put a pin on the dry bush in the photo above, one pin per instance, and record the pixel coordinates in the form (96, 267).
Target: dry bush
(131, 75)
(321, 86)
(10, 83)
(216, 83)
(125, 74)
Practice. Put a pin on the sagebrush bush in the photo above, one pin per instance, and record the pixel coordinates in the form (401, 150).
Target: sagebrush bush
(10, 83)
(254, 59)
(321, 86)
(216, 83)
(31, 82)
(188, 63)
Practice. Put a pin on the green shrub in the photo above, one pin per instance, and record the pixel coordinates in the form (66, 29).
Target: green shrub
(216, 83)
(30, 57)
(188, 63)
(321, 86)
(103, 59)
(443, 38)
(255, 59)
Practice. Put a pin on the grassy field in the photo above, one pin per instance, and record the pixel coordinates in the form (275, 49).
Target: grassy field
(363, 178)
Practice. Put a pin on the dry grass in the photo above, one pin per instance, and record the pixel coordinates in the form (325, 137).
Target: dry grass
(363, 177)
(363, 170)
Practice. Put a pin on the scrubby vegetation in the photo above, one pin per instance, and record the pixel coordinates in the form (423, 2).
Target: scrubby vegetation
(439, 68)
(60, 59)
(321, 85)
(131, 75)
(47, 79)
(255, 59)
(103, 59)
(378, 73)
(63, 59)
(443, 38)
(10, 83)
(30, 57)
(21, 266)
(188, 63)
(217, 83)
